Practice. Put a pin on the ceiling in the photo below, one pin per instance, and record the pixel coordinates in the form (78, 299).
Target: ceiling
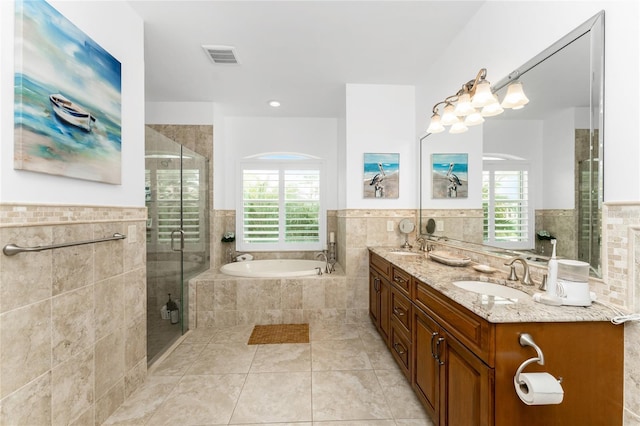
(301, 53)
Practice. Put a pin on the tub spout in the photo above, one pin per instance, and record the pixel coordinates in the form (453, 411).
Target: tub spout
(323, 255)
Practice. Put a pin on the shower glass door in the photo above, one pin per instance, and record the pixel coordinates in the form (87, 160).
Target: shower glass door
(177, 237)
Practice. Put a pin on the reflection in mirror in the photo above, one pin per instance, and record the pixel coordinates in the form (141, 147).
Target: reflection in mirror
(555, 144)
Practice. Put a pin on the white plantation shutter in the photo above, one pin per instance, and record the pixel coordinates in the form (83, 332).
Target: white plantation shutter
(167, 209)
(508, 215)
(281, 206)
(261, 206)
(302, 205)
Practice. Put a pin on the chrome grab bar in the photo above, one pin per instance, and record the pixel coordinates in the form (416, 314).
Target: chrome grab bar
(12, 249)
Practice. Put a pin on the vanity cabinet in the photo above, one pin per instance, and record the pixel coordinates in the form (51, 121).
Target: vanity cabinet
(453, 384)
(461, 366)
(400, 337)
(380, 295)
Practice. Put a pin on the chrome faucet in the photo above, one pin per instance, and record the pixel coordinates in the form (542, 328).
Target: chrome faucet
(422, 241)
(526, 279)
(326, 261)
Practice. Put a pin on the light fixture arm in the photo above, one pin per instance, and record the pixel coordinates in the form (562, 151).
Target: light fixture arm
(475, 100)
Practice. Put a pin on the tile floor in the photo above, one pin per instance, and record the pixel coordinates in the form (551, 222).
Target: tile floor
(344, 376)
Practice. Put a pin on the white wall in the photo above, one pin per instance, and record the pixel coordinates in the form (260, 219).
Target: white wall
(185, 113)
(241, 137)
(97, 20)
(558, 168)
(504, 35)
(380, 119)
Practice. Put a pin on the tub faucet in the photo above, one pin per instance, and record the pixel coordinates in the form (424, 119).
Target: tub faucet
(526, 279)
(326, 261)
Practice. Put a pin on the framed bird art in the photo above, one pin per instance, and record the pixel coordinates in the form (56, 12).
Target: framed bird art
(450, 175)
(381, 175)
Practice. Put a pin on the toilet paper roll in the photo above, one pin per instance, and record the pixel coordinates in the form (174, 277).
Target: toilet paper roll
(538, 389)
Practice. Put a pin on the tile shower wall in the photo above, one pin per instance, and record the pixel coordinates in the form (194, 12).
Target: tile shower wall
(621, 248)
(72, 320)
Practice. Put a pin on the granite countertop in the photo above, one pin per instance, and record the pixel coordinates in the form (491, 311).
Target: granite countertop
(440, 277)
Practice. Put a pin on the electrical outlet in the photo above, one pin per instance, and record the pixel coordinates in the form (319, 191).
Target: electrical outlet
(390, 226)
(439, 225)
(131, 234)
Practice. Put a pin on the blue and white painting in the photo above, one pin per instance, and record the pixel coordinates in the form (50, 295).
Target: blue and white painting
(450, 175)
(67, 98)
(381, 175)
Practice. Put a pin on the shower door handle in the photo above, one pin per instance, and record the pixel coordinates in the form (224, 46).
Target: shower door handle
(181, 233)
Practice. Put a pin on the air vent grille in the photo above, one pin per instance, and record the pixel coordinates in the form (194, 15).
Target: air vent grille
(222, 55)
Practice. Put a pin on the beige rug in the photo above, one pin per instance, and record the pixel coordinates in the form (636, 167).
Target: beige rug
(279, 333)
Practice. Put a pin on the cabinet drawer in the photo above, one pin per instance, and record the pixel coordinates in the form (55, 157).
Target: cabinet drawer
(382, 265)
(474, 332)
(401, 308)
(400, 347)
(401, 279)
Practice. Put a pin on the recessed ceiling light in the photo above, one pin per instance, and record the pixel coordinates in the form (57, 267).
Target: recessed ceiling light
(274, 104)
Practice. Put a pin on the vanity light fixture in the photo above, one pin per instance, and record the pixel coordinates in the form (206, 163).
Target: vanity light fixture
(472, 103)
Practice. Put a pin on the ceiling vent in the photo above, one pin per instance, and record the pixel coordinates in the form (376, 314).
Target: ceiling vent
(222, 55)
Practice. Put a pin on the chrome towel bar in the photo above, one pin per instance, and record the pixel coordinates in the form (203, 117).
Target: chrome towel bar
(12, 249)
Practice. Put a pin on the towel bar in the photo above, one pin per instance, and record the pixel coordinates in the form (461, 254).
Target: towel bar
(12, 249)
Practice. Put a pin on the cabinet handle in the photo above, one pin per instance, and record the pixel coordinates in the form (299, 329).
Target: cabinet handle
(398, 312)
(433, 354)
(440, 340)
(399, 280)
(400, 351)
(376, 284)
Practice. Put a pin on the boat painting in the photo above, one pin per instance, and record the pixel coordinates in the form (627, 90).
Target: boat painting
(68, 99)
(71, 113)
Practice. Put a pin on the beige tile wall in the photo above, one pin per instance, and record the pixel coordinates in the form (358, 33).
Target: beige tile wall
(72, 320)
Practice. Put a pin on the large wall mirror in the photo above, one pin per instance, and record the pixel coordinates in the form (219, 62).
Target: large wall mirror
(559, 136)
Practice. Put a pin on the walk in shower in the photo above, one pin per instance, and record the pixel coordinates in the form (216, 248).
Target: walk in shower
(176, 192)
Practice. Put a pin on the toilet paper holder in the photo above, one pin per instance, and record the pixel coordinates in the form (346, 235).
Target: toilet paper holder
(526, 340)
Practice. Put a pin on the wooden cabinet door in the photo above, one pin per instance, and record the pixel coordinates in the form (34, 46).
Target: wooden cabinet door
(425, 377)
(374, 299)
(379, 303)
(385, 309)
(466, 386)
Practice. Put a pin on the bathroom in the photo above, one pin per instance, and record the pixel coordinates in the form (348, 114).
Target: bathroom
(82, 380)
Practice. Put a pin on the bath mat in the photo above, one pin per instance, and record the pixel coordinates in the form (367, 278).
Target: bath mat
(279, 333)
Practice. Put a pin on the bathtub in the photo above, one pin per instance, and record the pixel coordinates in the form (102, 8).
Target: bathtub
(273, 268)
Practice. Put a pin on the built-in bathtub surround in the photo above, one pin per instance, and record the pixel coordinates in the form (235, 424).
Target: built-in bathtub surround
(225, 300)
(72, 320)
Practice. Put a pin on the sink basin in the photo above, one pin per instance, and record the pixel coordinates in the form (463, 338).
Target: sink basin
(404, 252)
(491, 289)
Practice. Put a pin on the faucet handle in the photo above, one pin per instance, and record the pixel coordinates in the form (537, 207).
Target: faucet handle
(512, 274)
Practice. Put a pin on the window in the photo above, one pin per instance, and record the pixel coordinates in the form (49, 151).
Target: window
(165, 206)
(508, 216)
(281, 205)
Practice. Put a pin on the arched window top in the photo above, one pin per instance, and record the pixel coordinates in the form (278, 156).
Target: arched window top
(295, 156)
(500, 156)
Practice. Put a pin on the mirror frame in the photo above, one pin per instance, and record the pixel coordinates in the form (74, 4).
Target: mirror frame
(595, 27)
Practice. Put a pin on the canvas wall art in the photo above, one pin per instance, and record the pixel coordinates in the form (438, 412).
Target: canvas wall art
(67, 108)
(381, 175)
(449, 174)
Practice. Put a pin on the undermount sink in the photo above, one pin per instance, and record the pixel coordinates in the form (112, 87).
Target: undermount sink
(491, 289)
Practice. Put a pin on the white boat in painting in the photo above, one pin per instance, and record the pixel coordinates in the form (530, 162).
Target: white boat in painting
(71, 113)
